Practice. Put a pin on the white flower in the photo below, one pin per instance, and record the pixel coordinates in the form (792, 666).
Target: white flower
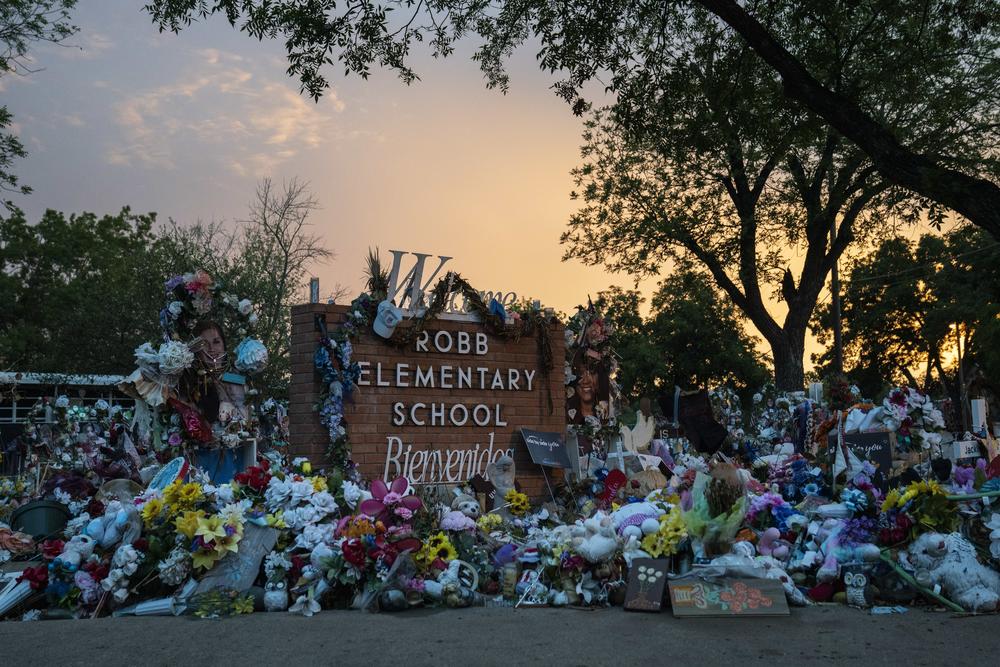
(994, 525)
(324, 502)
(174, 357)
(4, 555)
(311, 537)
(101, 405)
(308, 515)
(224, 494)
(32, 615)
(305, 605)
(354, 494)
(277, 494)
(62, 402)
(301, 491)
(291, 519)
(252, 320)
(175, 308)
(61, 495)
(276, 560)
(245, 306)
(233, 512)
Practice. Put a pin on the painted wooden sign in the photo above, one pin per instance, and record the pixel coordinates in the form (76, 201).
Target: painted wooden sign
(646, 580)
(727, 597)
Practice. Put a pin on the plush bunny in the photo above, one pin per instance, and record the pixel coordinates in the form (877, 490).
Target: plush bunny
(595, 539)
(950, 561)
(75, 552)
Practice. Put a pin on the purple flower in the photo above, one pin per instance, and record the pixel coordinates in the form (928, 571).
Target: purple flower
(172, 284)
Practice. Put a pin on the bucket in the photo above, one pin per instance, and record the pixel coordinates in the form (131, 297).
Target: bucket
(40, 518)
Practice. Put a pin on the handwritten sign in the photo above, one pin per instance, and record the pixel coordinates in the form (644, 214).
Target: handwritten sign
(546, 449)
(237, 571)
(727, 597)
(875, 448)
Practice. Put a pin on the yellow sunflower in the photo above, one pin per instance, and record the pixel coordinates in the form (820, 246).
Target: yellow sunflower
(151, 511)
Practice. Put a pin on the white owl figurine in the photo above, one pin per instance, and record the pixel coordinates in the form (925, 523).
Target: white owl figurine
(275, 596)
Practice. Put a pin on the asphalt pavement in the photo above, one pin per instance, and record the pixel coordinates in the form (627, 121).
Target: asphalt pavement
(499, 636)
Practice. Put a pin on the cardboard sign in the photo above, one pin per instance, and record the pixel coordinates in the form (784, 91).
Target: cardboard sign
(237, 571)
(646, 580)
(727, 597)
(962, 449)
(546, 449)
(875, 448)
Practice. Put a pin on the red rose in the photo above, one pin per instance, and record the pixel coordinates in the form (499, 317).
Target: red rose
(354, 552)
(51, 548)
(38, 577)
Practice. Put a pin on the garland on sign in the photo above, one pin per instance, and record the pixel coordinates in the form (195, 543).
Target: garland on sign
(340, 374)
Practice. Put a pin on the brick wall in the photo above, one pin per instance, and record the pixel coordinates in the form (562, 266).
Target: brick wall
(370, 417)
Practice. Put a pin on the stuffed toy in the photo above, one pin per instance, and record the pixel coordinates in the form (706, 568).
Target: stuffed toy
(950, 562)
(771, 544)
(76, 551)
(644, 482)
(120, 523)
(594, 539)
(467, 505)
(637, 519)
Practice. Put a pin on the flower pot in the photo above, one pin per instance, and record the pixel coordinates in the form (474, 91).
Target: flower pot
(40, 518)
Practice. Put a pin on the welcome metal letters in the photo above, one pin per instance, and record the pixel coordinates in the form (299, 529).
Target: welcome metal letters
(408, 290)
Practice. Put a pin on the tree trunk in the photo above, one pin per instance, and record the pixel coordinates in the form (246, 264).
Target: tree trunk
(789, 372)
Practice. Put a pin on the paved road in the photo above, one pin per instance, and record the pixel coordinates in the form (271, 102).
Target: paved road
(549, 637)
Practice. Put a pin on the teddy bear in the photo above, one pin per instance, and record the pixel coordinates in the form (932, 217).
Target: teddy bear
(950, 562)
(595, 539)
(120, 523)
(637, 519)
(77, 550)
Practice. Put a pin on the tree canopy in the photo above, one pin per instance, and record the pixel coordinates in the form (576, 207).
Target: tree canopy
(909, 305)
(692, 337)
(948, 45)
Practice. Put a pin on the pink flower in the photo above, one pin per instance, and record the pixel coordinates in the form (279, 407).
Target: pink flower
(391, 498)
(403, 513)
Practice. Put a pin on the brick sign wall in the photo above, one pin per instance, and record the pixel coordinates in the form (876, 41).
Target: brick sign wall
(438, 411)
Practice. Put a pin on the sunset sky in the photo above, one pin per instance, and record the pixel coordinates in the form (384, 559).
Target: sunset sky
(185, 125)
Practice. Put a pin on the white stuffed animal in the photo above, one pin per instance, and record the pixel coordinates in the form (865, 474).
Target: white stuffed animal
(77, 550)
(950, 561)
(595, 539)
(467, 505)
(637, 519)
(120, 523)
